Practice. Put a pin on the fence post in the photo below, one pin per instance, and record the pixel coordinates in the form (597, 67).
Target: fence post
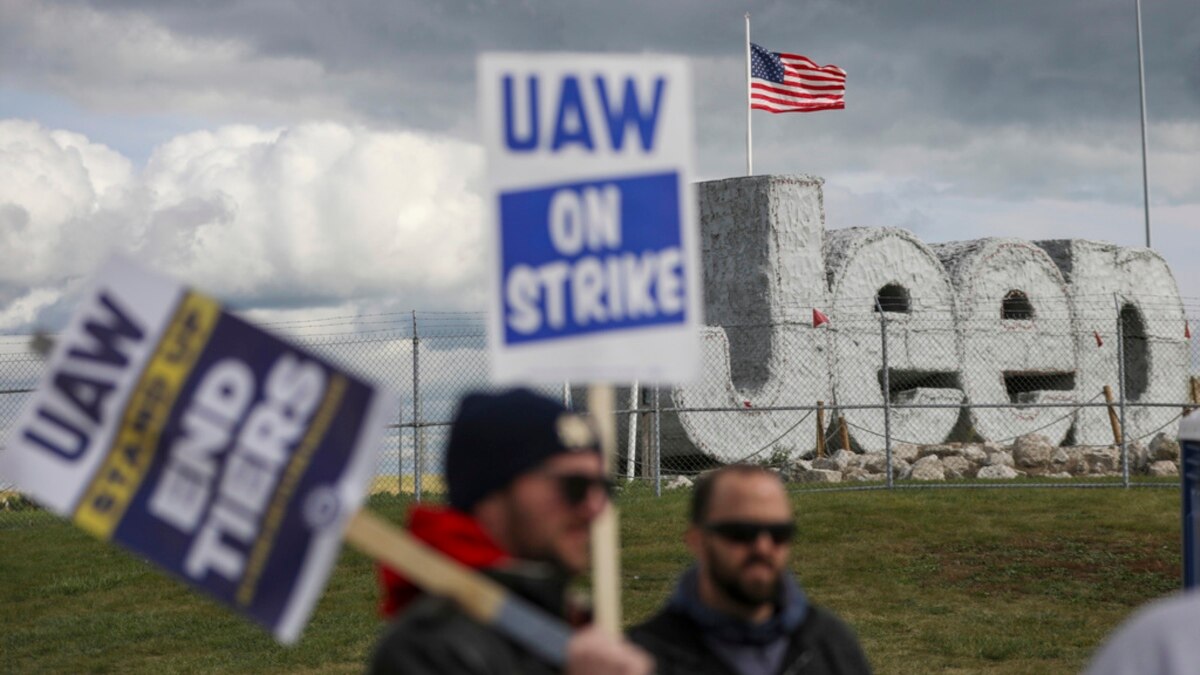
(1112, 416)
(845, 433)
(1121, 393)
(566, 399)
(399, 446)
(418, 435)
(657, 445)
(631, 438)
(820, 429)
(1193, 395)
(887, 393)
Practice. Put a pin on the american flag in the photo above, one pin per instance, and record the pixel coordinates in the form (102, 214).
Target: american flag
(782, 82)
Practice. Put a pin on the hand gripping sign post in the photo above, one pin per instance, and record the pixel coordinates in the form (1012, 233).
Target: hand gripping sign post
(227, 456)
(595, 268)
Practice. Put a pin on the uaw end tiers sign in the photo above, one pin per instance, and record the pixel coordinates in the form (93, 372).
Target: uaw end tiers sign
(221, 453)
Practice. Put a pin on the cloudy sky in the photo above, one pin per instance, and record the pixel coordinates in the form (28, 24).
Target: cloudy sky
(307, 158)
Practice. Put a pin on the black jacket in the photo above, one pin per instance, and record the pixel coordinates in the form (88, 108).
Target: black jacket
(433, 636)
(822, 644)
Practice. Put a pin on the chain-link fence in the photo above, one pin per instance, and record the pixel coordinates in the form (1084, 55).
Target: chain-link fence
(885, 393)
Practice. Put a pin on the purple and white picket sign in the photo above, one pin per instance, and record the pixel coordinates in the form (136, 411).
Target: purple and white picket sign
(1189, 478)
(227, 456)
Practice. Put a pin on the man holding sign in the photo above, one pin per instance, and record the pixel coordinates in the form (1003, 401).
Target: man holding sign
(525, 482)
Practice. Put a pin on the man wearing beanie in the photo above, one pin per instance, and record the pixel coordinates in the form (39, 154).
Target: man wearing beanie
(738, 611)
(525, 481)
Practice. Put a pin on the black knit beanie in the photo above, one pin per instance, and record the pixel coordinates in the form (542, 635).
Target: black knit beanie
(497, 437)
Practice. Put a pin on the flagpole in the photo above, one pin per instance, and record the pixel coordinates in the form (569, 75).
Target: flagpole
(1142, 90)
(749, 143)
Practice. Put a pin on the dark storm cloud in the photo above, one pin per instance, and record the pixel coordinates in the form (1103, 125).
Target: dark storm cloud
(986, 63)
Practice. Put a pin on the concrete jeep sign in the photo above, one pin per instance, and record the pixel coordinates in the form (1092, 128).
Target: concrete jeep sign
(980, 322)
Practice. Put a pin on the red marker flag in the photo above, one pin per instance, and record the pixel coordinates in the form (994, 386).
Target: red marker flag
(1187, 330)
(819, 317)
(1099, 342)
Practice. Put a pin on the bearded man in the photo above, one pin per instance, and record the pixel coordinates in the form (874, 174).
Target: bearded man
(738, 610)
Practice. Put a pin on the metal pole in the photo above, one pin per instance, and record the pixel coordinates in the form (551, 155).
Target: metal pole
(418, 435)
(887, 393)
(657, 446)
(1121, 393)
(749, 143)
(399, 446)
(631, 439)
(820, 429)
(566, 399)
(1142, 91)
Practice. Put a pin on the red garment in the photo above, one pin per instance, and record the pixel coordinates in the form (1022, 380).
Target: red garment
(451, 532)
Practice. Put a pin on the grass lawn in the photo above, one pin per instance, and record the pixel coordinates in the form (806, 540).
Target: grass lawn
(999, 581)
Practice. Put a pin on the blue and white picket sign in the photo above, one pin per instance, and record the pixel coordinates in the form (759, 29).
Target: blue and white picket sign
(594, 271)
(1189, 476)
(221, 453)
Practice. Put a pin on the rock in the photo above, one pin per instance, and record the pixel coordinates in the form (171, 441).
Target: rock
(798, 467)
(1139, 456)
(1059, 475)
(1164, 467)
(1000, 458)
(997, 471)
(1102, 461)
(678, 482)
(940, 451)
(819, 476)
(875, 462)
(989, 447)
(1074, 463)
(856, 460)
(1164, 448)
(957, 466)
(838, 461)
(1069, 460)
(856, 473)
(845, 457)
(826, 464)
(928, 468)
(905, 451)
(1032, 450)
(975, 455)
(900, 469)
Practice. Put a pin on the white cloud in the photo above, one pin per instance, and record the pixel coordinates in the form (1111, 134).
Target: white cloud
(54, 188)
(24, 311)
(312, 214)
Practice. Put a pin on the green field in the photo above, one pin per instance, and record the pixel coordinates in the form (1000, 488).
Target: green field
(999, 581)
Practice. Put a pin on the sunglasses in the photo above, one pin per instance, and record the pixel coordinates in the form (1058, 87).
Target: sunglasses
(748, 533)
(575, 488)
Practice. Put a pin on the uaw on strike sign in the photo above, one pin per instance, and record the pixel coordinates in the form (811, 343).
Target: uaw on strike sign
(594, 273)
(203, 444)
